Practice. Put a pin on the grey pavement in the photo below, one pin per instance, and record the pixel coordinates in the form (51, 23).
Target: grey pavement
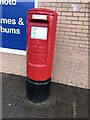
(64, 101)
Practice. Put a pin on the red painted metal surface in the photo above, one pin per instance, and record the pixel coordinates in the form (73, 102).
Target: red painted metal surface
(39, 51)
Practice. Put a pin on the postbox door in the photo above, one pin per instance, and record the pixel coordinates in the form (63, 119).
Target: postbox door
(37, 49)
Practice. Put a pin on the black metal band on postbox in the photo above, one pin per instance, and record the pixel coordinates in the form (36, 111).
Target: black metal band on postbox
(38, 91)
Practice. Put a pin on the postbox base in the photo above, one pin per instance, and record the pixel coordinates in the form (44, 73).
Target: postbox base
(37, 91)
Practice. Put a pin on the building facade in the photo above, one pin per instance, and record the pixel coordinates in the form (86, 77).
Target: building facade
(70, 65)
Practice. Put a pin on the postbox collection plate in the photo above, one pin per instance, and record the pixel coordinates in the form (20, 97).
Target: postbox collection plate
(39, 32)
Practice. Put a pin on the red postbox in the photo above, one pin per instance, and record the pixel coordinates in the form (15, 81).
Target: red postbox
(41, 31)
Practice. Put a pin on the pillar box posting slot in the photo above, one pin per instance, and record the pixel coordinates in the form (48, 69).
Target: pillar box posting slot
(41, 31)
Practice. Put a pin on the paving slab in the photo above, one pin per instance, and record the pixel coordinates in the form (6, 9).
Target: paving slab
(64, 101)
